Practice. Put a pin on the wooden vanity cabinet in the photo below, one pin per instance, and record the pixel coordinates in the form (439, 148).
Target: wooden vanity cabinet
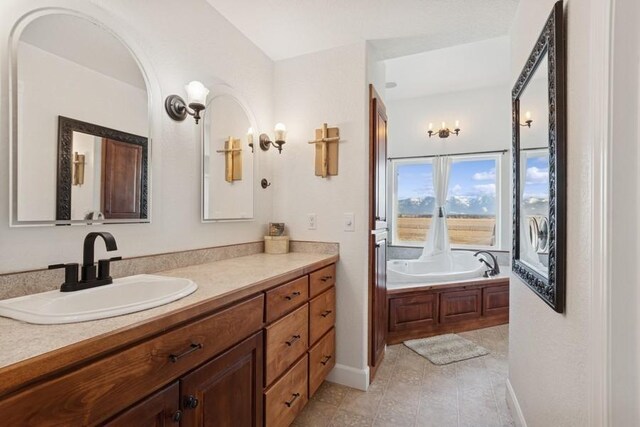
(231, 367)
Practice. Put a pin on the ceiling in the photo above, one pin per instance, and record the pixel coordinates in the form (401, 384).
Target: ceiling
(448, 70)
(85, 43)
(289, 28)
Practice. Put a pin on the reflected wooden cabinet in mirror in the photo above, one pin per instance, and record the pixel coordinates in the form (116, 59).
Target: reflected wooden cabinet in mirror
(539, 166)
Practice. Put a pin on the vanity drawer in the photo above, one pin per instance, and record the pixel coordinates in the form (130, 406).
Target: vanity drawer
(322, 359)
(322, 279)
(285, 298)
(285, 399)
(287, 340)
(322, 314)
(95, 392)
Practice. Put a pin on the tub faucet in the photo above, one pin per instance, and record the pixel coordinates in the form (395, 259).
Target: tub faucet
(493, 269)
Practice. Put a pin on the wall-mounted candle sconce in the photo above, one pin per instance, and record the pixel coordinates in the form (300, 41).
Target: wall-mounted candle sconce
(326, 145)
(280, 135)
(444, 131)
(78, 168)
(177, 109)
(528, 120)
(232, 160)
(250, 138)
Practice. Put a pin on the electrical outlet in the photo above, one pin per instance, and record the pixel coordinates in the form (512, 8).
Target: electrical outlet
(349, 221)
(312, 220)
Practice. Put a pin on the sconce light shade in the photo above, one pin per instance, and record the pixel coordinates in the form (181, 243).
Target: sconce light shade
(280, 132)
(177, 109)
(196, 93)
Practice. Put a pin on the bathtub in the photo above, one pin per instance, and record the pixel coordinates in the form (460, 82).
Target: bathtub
(455, 266)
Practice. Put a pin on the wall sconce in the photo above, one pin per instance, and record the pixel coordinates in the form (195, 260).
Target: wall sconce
(444, 131)
(177, 109)
(280, 135)
(528, 120)
(326, 145)
(78, 168)
(250, 138)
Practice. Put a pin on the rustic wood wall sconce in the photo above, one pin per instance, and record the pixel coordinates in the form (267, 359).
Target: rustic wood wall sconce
(78, 168)
(326, 144)
(232, 160)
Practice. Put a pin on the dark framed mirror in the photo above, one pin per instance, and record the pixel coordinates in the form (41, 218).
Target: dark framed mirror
(102, 173)
(539, 166)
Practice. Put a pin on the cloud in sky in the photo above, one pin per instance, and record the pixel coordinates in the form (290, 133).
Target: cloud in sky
(485, 188)
(457, 189)
(537, 175)
(485, 175)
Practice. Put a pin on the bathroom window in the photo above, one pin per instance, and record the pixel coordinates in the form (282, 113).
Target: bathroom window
(473, 201)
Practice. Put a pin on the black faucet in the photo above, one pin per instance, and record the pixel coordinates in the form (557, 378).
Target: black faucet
(493, 269)
(88, 277)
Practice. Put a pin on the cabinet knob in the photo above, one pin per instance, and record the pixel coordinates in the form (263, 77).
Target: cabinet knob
(191, 402)
(177, 416)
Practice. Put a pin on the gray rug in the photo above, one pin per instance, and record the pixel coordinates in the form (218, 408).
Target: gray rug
(445, 349)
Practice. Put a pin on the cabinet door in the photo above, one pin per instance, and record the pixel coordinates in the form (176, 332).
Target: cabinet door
(227, 391)
(458, 306)
(158, 410)
(379, 303)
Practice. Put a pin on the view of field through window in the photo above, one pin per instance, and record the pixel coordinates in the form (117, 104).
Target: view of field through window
(471, 202)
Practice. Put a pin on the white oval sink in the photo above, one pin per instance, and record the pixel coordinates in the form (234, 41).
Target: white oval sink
(123, 296)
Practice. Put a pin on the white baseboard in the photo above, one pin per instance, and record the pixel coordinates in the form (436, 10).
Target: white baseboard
(514, 406)
(351, 377)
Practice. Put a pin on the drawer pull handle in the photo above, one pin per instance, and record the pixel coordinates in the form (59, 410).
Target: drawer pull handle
(325, 278)
(326, 313)
(326, 360)
(293, 295)
(293, 399)
(293, 340)
(175, 357)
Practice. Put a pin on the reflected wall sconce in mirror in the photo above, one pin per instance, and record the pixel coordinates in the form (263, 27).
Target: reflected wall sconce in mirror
(280, 135)
(250, 138)
(232, 160)
(444, 131)
(78, 168)
(528, 120)
(326, 145)
(176, 107)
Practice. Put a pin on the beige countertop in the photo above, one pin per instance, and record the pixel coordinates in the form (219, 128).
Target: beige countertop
(219, 283)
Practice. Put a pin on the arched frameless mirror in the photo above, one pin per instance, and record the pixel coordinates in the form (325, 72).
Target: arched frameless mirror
(80, 149)
(228, 161)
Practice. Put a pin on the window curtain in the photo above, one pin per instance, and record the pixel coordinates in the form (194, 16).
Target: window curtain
(438, 239)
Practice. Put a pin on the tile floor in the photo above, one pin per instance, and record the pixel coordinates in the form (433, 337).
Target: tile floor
(410, 391)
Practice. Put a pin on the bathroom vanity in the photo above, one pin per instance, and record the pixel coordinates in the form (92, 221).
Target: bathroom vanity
(247, 349)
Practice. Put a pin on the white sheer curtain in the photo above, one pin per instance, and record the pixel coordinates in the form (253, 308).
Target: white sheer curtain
(438, 238)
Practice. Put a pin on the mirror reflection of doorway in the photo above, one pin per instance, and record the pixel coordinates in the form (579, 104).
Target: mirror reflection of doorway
(121, 179)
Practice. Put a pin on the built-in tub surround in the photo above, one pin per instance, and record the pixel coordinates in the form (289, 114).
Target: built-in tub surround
(439, 268)
(30, 282)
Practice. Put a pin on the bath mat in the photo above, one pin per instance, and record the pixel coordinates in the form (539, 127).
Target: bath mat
(445, 349)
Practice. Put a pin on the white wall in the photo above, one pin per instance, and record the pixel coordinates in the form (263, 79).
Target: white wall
(206, 48)
(485, 120)
(625, 251)
(328, 87)
(548, 352)
(53, 86)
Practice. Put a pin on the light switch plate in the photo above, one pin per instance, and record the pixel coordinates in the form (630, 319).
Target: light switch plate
(349, 221)
(312, 220)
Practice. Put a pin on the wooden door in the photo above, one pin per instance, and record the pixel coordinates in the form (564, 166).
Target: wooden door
(377, 224)
(161, 409)
(379, 122)
(121, 179)
(379, 323)
(227, 391)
